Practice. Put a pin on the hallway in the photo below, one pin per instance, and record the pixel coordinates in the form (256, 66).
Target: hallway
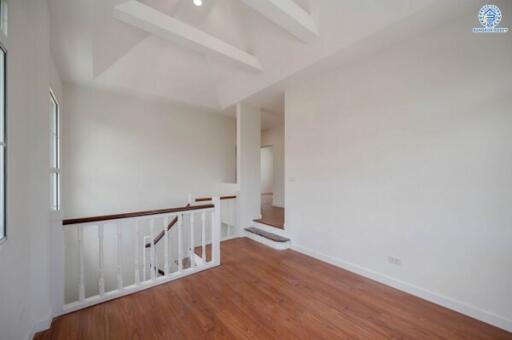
(271, 215)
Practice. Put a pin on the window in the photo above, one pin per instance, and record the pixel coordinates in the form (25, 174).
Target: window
(55, 153)
(3, 144)
(3, 16)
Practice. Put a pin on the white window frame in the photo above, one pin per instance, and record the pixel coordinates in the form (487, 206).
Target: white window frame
(55, 164)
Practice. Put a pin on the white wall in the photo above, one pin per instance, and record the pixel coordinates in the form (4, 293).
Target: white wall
(26, 294)
(275, 138)
(407, 153)
(248, 120)
(267, 169)
(125, 153)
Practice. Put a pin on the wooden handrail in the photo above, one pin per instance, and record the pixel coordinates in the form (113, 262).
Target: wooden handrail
(204, 199)
(162, 233)
(135, 214)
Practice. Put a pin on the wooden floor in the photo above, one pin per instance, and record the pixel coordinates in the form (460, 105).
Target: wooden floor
(260, 293)
(271, 215)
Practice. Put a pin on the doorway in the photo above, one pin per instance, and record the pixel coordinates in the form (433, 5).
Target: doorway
(270, 214)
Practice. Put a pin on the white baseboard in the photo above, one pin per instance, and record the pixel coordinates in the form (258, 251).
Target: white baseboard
(420, 292)
(39, 327)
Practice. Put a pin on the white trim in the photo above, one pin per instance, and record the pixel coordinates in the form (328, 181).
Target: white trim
(55, 152)
(458, 306)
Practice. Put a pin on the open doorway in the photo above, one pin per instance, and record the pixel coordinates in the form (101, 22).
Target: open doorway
(271, 214)
(267, 170)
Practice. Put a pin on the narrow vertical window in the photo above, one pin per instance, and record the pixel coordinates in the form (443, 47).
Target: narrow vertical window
(55, 153)
(3, 144)
(3, 16)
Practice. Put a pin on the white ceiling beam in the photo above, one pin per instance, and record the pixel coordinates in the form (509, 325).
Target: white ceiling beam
(288, 15)
(164, 26)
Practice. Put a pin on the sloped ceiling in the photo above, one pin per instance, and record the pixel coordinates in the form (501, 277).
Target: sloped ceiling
(91, 47)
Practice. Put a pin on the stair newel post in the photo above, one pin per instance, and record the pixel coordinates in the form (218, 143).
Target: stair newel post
(203, 236)
(236, 215)
(216, 231)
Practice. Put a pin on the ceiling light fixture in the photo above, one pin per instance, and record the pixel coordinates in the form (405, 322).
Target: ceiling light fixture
(198, 2)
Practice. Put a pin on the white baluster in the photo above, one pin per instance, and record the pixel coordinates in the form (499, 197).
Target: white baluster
(236, 215)
(216, 226)
(227, 208)
(203, 236)
(166, 247)
(136, 260)
(119, 259)
(192, 243)
(212, 221)
(144, 257)
(232, 225)
(81, 286)
(152, 265)
(180, 244)
(156, 258)
(101, 281)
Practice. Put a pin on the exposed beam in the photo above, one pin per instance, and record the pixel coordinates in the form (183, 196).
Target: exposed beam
(288, 15)
(164, 26)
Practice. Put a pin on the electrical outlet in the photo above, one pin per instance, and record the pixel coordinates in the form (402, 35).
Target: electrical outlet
(395, 260)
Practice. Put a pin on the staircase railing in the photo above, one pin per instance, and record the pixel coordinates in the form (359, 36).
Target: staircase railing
(195, 234)
(199, 199)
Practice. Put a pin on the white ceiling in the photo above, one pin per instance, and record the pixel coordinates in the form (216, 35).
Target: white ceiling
(91, 47)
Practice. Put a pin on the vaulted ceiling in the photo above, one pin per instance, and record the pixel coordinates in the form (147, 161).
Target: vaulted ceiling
(92, 46)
